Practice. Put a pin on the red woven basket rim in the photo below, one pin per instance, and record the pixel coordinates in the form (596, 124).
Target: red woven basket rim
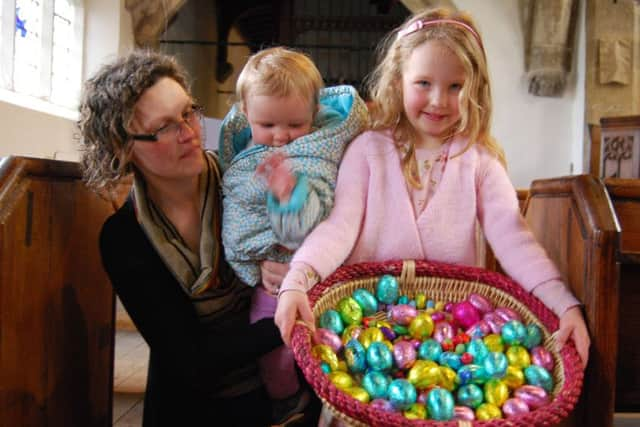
(556, 410)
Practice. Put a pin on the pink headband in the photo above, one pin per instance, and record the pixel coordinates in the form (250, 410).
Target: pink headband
(418, 25)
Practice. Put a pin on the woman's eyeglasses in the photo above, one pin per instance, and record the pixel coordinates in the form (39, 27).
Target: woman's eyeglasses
(191, 118)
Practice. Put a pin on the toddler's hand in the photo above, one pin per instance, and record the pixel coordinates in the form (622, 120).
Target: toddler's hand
(572, 325)
(291, 305)
(277, 175)
(272, 275)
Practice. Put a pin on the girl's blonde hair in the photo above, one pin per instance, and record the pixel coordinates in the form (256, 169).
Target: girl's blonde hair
(385, 83)
(278, 71)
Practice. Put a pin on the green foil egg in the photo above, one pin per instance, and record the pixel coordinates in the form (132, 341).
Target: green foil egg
(367, 301)
(350, 311)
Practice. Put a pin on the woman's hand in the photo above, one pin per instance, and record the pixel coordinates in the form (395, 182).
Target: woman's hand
(572, 326)
(293, 303)
(272, 275)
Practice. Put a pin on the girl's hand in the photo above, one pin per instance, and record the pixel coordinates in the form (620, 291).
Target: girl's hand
(572, 326)
(293, 303)
(277, 175)
(272, 275)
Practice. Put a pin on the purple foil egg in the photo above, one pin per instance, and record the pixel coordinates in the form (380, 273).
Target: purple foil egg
(514, 407)
(382, 405)
(443, 331)
(479, 330)
(438, 316)
(533, 396)
(402, 314)
(495, 322)
(481, 303)
(404, 354)
(507, 314)
(328, 337)
(448, 307)
(465, 314)
(542, 357)
(388, 333)
(463, 413)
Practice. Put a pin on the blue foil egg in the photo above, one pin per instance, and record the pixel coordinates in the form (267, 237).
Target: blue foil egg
(430, 350)
(355, 356)
(537, 375)
(387, 289)
(450, 359)
(478, 349)
(403, 299)
(376, 384)
(470, 395)
(331, 320)
(366, 300)
(472, 373)
(534, 336)
(495, 364)
(440, 404)
(379, 356)
(514, 332)
(401, 394)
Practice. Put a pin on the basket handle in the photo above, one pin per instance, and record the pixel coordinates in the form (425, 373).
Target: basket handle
(408, 274)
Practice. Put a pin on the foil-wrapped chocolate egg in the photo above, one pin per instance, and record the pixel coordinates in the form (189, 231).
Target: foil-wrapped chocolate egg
(367, 301)
(331, 320)
(534, 336)
(478, 350)
(463, 413)
(402, 314)
(424, 373)
(479, 330)
(495, 364)
(421, 326)
(370, 335)
(358, 393)
(325, 354)
(440, 404)
(404, 354)
(350, 311)
(430, 349)
(443, 331)
(496, 392)
(465, 314)
(534, 396)
(352, 331)
(387, 289)
(450, 359)
(542, 357)
(382, 405)
(514, 377)
(421, 301)
(513, 332)
(327, 337)
(470, 395)
(518, 356)
(379, 357)
(402, 394)
(356, 356)
(514, 407)
(416, 411)
(494, 343)
(507, 314)
(341, 379)
(537, 375)
(494, 321)
(472, 373)
(480, 302)
(376, 384)
(488, 411)
(448, 378)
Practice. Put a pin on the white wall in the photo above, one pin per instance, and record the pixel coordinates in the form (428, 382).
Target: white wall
(49, 132)
(541, 136)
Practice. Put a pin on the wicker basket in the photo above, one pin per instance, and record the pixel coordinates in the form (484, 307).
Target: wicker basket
(442, 282)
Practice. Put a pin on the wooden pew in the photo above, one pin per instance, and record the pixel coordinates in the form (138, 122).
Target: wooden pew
(625, 195)
(56, 303)
(573, 219)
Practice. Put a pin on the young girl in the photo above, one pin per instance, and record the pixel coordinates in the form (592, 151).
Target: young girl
(414, 185)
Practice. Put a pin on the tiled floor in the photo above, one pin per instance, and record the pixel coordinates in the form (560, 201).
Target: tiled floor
(131, 374)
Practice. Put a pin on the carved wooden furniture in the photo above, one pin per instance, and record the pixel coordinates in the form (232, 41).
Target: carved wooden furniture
(615, 147)
(625, 195)
(56, 304)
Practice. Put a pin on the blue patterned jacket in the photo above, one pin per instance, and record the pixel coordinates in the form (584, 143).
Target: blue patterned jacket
(255, 227)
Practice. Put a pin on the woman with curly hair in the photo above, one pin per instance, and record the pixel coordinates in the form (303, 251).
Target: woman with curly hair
(162, 248)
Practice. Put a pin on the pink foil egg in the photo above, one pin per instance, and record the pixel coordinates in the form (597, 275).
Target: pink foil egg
(382, 405)
(422, 397)
(402, 314)
(533, 396)
(480, 302)
(443, 331)
(507, 314)
(495, 322)
(465, 314)
(463, 413)
(404, 354)
(514, 407)
(328, 337)
(448, 307)
(479, 330)
(438, 316)
(542, 357)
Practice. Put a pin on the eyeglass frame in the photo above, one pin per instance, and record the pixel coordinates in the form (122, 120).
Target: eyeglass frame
(196, 110)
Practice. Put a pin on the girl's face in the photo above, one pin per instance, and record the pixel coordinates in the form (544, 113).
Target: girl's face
(432, 78)
(277, 120)
(177, 154)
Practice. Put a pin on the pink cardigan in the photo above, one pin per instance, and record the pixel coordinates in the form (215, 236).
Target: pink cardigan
(373, 218)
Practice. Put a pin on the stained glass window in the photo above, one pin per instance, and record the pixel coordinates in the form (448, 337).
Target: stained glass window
(28, 47)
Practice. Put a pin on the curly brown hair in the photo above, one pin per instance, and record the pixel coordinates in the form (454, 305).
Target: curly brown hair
(106, 110)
